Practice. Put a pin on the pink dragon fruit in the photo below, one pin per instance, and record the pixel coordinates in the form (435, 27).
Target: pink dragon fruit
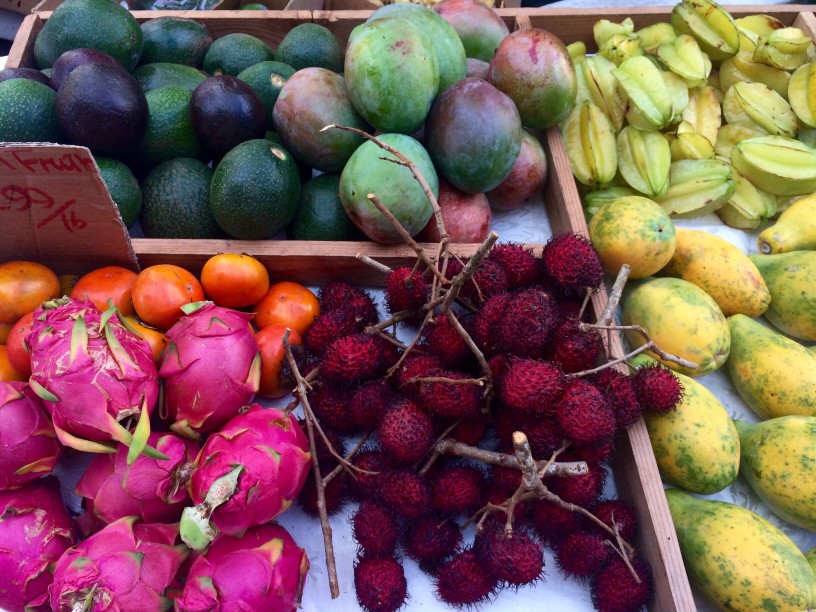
(123, 567)
(35, 530)
(93, 374)
(246, 475)
(263, 570)
(28, 443)
(211, 368)
(152, 489)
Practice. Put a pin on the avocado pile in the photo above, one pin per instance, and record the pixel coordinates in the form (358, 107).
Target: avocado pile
(204, 138)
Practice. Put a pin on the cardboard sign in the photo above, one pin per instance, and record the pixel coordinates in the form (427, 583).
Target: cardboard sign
(56, 210)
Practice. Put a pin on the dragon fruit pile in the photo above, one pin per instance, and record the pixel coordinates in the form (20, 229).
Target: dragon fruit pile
(234, 467)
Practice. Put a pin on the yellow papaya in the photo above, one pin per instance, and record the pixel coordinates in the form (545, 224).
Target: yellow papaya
(696, 446)
(791, 280)
(737, 559)
(776, 376)
(681, 319)
(721, 270)
(787, 487)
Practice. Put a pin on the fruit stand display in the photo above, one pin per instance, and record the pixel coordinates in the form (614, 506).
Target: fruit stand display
(315, 263)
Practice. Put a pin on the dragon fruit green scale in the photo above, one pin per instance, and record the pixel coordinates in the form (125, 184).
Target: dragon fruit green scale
(211, 368)
(125, 566)
(93, 375)
(246, 475)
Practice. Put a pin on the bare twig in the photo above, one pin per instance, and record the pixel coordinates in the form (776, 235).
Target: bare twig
(328, 543)
(373, 263)
(486, 373)
(308, 379)
(649, 345)
(434, 453)
(443, 379)
(468, 270)
(340, 467)
(614, 296)
(392, 340)
(395, 368)
(620, 548)
(403, 233)
(460, 449)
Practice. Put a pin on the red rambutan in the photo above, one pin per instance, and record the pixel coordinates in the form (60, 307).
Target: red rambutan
(595, 453)
(584, 416)
(380, 584)
(352, 359)
(498, 365)
(571, 263)
(371, 459)
(657, 388)
(458, 489)
(519, 263)
(406, 289)
(325, 459)
(543, 433)
(431, 540)
(574, 350)
(369, 402)
(615, 512)
(488, 279)
(486, 323)
(443, 340)
(552, 522)
(338, 294)
(336, 495)
(580, 490)
(415, 365)
(328, 327)
(469, 431)
(505, 479)
(581, 553)
(405, 493)
(330, 405)
(406, 432)
(463, 580)
(518, 560)
(375, 529)
(531, 386)
(389, 352)
(529, 319)
(451, 400)
(619, 394)
(615, 589)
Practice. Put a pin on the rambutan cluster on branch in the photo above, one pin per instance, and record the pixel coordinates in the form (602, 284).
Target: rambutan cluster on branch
(501, 344)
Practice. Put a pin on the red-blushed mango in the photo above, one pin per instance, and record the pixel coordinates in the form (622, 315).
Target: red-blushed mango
(450, 53)
(392, 74)
(480, 28)
(311, 99)
(534, 68)
(473, 134)
(394, 185)
(526, 178)
(682, 320)
(466, 216)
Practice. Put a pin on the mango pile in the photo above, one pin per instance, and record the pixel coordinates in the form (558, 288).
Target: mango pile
(675, 121)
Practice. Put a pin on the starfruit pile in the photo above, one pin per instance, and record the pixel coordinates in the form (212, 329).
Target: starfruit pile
(704, 114)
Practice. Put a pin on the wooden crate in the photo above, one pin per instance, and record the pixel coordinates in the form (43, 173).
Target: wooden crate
(634, 466)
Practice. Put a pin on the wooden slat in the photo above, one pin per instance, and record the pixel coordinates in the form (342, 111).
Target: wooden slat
(634, 466)
(21, 53)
